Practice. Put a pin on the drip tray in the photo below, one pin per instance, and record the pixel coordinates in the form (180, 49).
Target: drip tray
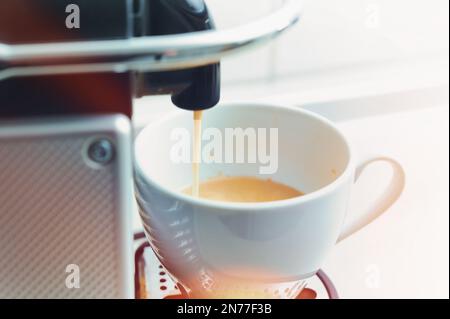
(152, 280)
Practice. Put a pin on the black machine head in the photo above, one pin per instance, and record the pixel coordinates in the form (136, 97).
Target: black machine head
(191, 89)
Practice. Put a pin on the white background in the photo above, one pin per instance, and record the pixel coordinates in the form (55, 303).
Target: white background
(336, 34)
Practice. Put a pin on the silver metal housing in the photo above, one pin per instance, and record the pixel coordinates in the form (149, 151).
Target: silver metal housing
(60, 210)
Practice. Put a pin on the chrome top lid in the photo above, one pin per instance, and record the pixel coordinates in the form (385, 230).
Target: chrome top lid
(155, 53)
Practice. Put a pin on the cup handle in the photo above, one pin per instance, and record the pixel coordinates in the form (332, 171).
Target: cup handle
(380, 205)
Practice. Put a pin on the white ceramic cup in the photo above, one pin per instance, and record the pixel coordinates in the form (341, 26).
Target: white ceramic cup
(206, 245)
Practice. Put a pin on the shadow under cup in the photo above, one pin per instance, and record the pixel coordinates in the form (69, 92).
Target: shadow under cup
(241, 249)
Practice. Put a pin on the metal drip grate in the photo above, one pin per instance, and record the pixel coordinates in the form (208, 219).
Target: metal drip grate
(154, 282)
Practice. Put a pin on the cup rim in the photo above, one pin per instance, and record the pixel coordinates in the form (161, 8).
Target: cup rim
(257, 206)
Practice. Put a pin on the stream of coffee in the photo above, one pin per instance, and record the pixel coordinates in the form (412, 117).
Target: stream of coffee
(197, 153)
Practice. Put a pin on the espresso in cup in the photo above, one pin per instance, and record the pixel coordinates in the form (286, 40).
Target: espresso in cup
(242, 189)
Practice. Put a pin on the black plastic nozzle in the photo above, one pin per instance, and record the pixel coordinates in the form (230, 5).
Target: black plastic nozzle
(191, 89)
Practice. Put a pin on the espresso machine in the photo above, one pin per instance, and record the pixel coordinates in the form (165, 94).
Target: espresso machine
(69, 71)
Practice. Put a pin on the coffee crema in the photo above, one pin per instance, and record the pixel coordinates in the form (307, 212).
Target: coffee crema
(242, 189)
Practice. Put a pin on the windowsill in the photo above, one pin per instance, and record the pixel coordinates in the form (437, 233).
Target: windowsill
(415, 84)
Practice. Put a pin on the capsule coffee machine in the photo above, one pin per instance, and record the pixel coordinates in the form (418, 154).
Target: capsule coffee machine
(69, 71)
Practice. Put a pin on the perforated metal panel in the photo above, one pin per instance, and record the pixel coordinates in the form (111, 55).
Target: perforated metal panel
(57, 209)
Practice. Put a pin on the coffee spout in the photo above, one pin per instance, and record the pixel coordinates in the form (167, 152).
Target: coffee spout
(191, 89)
